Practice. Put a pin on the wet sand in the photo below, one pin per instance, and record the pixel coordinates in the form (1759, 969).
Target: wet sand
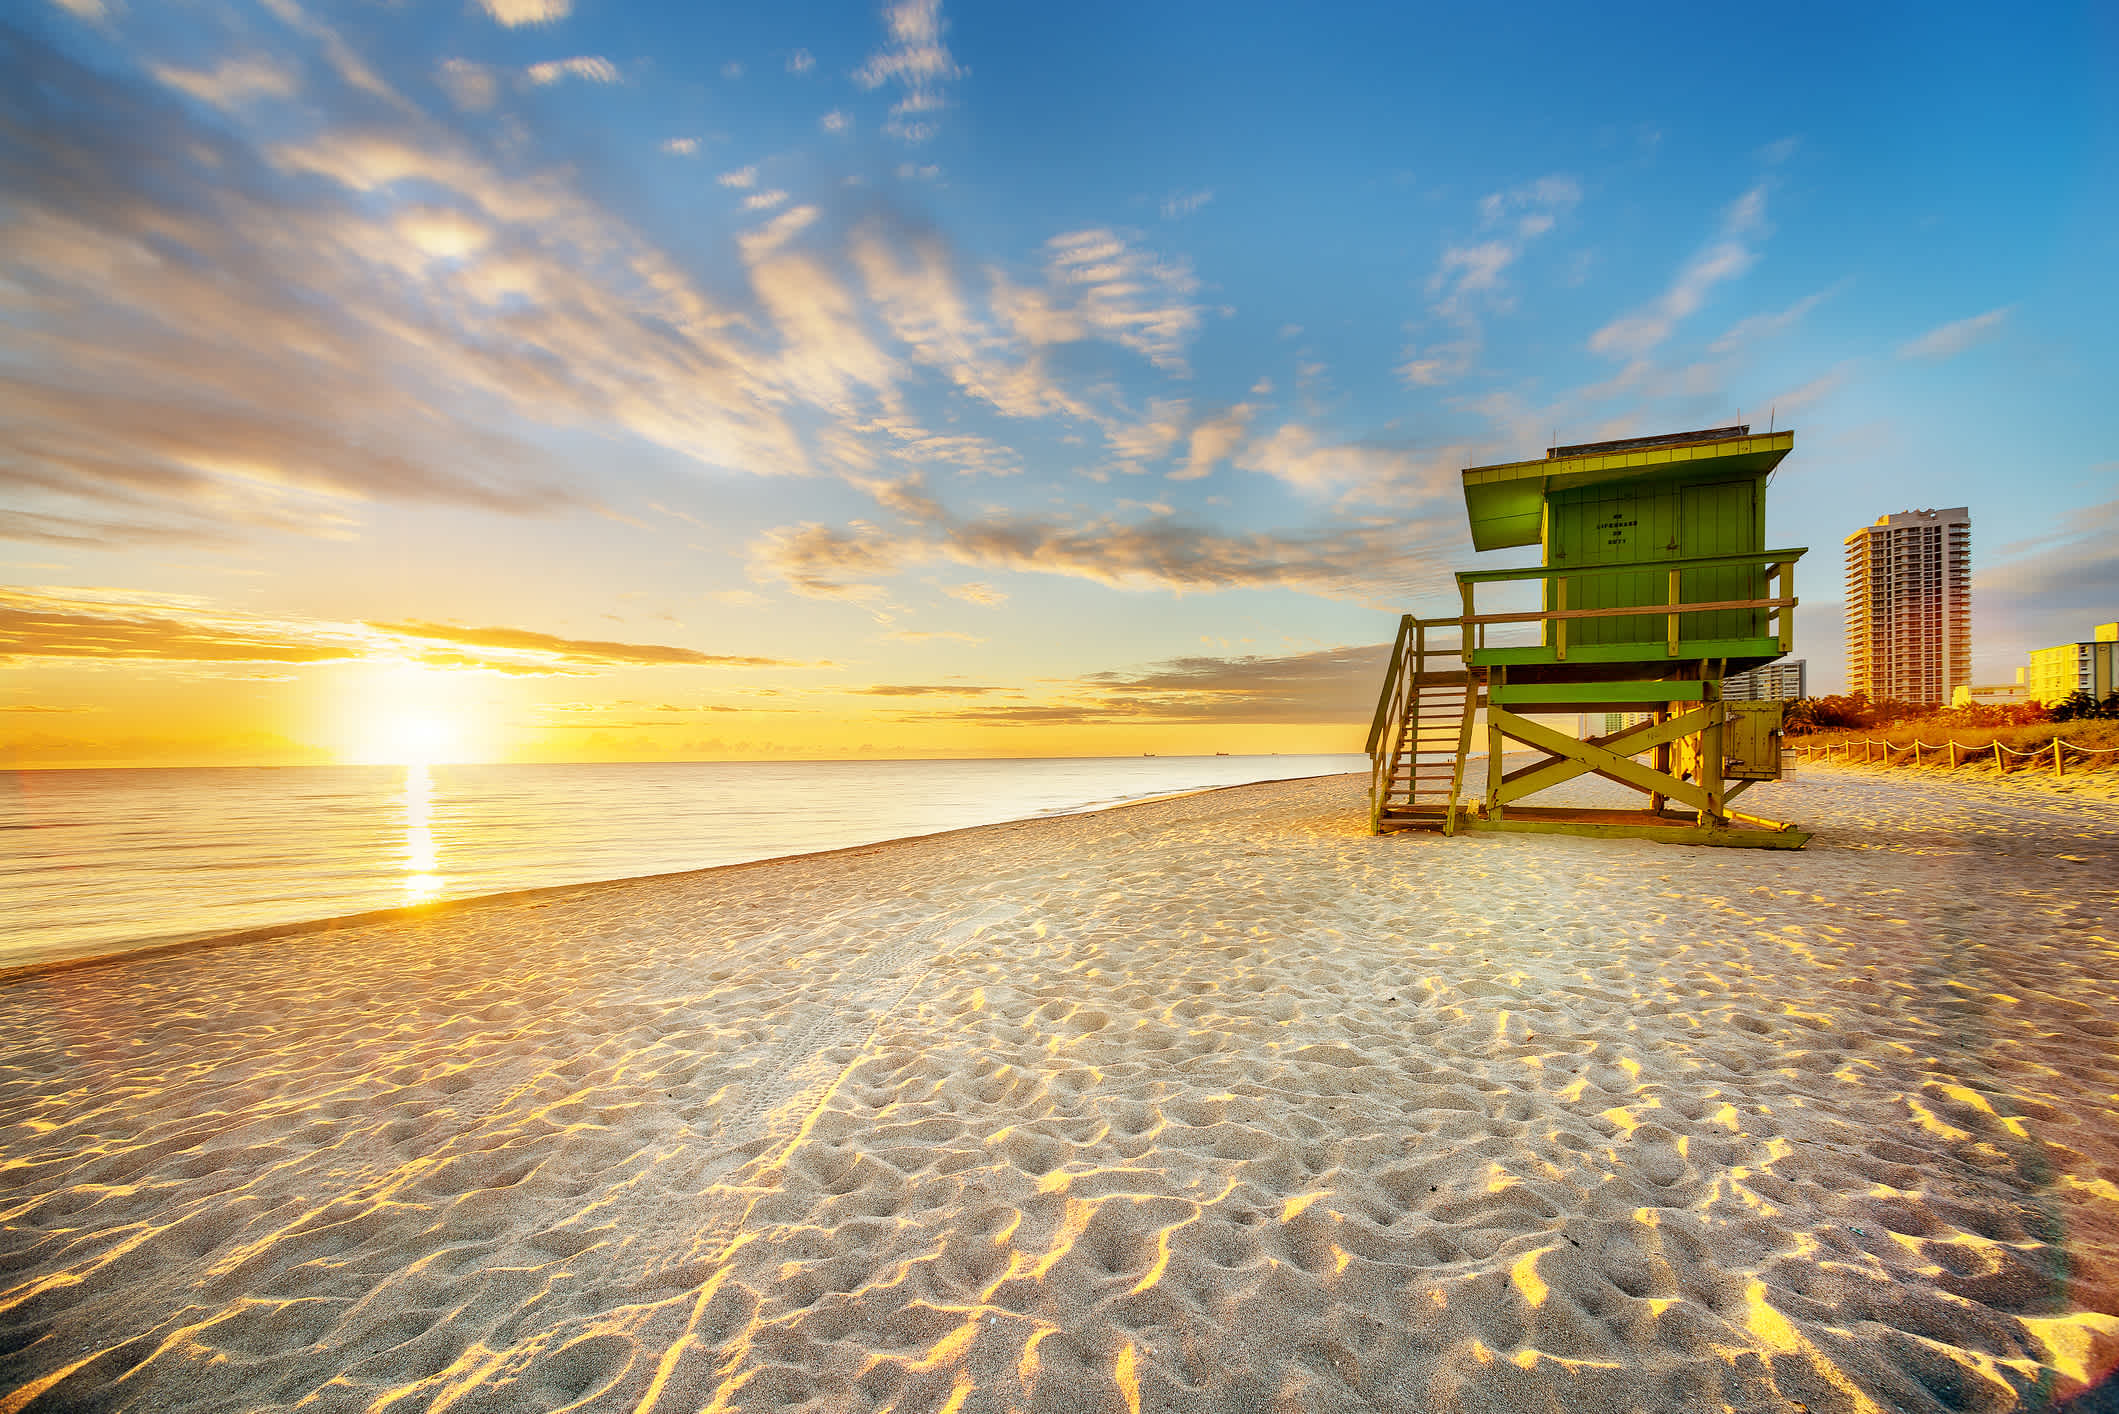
(1212, 1103)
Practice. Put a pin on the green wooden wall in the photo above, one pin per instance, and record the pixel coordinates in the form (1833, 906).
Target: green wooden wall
(1636, 522)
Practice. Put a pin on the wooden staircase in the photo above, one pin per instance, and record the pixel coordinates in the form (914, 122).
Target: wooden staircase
(1422, 732)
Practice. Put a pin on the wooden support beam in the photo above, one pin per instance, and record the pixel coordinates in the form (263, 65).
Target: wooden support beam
(1573, 758)
(1631, 741)
(1709, 769)
(1496, 678)
(1673, 616)
(1786, 615)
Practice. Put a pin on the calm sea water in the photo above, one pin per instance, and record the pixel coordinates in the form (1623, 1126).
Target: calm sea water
(96, 861)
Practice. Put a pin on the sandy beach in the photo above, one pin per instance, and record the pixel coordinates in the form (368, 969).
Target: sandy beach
(1214, 1103)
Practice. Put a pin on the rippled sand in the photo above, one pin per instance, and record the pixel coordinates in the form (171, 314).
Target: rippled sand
(1213, 1103)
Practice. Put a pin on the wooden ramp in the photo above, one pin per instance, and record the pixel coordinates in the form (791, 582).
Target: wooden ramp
(1423, 730)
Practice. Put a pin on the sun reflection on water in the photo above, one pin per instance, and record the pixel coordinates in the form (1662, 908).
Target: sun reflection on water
(422, 881)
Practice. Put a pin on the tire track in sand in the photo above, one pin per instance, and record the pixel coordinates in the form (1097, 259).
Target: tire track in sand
(789, 1088)
(786, 1095)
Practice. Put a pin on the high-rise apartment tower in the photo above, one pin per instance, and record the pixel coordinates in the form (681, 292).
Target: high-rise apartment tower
(1909, 606)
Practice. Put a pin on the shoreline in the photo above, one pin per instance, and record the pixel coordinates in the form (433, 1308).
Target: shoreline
(170, 945)
(704, 761)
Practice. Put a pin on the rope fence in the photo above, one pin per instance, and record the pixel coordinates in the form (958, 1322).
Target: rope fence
(2059, 751)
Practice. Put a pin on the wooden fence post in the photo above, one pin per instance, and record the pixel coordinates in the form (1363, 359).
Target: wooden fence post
(1999, 768)
(1953, 753)
(2059, 767)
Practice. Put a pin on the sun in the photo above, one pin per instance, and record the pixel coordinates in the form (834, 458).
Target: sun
(413, 739)
(408, 716)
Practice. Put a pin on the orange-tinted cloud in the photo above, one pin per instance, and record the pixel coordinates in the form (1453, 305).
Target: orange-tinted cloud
(925, 690)
(577, 652)
(102, 624)
(1334, 685)
(1373, 561)
(106, 624)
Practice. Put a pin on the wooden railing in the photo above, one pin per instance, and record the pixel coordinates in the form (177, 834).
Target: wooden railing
(1386, 739)
(1777, 564)
(1395, 679)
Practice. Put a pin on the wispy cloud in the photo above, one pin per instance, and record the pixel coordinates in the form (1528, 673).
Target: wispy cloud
(1785, 405)
(1211, 441)
(1467, 281)
(1388, 559)
(233, 82)
(514, 13)
(1952, 339)
(1184, 203)
(1149, 438)
(681, 146)
(1324, 686)
(1758, 328)
(991, 343)
(470, 86)
(1295, 454)
(935, 635)
(271, 336)
(110, 624)
(801, 62)
(974, 592)
(918, 62)
(1775, 153)
(1331, 686)
(1729, 255)
(1099, 285)
(492, 646)
(924, 690)
(591, 67)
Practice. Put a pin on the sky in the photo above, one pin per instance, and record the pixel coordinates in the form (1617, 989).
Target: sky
(560, 380)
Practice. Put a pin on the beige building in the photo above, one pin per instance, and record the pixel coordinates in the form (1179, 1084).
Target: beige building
(2075, 667)
(1909, 606)
(1993, 694)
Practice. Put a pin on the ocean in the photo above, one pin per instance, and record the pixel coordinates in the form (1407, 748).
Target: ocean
(100, 861)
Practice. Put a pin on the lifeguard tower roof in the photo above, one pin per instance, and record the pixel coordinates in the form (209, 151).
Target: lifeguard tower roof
(1506, 503)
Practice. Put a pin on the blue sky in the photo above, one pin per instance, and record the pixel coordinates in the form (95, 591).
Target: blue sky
(948, 380)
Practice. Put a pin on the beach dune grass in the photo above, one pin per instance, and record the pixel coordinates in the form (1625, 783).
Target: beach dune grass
(1212, 1103)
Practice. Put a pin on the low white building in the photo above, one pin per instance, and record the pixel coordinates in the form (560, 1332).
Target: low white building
(1992, 694)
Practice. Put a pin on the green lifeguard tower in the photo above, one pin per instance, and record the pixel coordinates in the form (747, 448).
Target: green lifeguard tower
(1656, 583)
